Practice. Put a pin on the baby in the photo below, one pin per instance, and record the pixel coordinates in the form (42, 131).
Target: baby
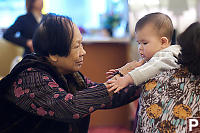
(153, 33)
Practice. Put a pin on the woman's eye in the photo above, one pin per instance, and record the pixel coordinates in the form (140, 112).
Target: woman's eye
(77, 46)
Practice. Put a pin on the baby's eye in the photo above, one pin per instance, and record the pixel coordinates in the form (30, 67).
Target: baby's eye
(145, 43)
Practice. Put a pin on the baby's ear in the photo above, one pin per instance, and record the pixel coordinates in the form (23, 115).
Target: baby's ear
(164, 42)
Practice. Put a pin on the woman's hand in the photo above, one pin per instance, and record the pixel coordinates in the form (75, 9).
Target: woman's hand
(119, 83)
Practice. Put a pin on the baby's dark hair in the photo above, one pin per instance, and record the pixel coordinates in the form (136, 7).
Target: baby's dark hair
(161, 22)
(189, 41)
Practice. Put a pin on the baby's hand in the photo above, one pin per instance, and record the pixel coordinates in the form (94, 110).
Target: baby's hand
(111, 73)
(131, 66)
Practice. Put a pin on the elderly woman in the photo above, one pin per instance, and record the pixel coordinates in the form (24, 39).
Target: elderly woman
(45, 92)
(26, 26)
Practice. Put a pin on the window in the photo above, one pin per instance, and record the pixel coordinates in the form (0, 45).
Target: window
(182, 12)
(87, 14)
(10, 10)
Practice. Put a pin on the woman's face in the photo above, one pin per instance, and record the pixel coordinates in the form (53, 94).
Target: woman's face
(38, 4)
(74, 60)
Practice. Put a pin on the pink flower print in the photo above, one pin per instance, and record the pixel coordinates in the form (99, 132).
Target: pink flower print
(53, 84)
(45, 77)
(56, 96)
(68, 96)
(18, 92)
(60, 89)
(85, 115)
(53, 80)
(32, 95)
(33, 106)
(93, 86)
(19, 81)
(91, 109)
(26, 90)
(103, 105)
(41, 111)
(29, 69)
(88, 81)
(51, 113)
(76, 116)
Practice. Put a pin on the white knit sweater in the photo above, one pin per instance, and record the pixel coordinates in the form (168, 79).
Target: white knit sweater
(163, 60)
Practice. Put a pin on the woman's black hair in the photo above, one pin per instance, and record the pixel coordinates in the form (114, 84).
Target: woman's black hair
(189, 41)
(29, 5)
(54, 36)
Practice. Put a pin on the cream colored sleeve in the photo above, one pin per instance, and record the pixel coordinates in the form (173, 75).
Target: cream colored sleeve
(155, 65)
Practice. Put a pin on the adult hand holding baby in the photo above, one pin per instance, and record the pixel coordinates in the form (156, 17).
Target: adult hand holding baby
(117, 80)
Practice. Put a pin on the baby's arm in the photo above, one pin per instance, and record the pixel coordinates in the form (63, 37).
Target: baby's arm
(117, 83)
(113, 73)
(155, 65)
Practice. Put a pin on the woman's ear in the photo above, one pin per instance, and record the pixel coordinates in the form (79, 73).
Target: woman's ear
(53, 58)
(164, 42)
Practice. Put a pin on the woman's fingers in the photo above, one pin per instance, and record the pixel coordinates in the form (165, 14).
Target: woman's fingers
(110, 81)
(112, 71)
(109, 73)
(114, 87)
(109, 77)
(117, 89)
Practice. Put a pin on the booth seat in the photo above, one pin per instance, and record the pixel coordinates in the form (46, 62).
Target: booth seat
(8, 52)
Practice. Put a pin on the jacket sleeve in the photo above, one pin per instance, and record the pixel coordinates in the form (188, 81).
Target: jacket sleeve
(124, 96)
(41, 95)
(89, 82)
(154, 66)
(10, 33)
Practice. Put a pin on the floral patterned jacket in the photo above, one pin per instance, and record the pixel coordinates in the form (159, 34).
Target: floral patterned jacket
(167, 101)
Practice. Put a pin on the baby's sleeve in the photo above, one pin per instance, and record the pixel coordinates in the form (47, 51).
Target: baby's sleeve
(154, 66)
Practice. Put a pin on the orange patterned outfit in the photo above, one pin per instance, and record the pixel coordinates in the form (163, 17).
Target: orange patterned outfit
(167, 100)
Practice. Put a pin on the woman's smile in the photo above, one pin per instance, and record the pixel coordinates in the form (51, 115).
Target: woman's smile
(80, 62)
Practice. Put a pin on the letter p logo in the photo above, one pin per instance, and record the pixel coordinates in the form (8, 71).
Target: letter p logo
(193, 125)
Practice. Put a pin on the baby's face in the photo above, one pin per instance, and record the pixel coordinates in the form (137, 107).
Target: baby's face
(149, 41)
